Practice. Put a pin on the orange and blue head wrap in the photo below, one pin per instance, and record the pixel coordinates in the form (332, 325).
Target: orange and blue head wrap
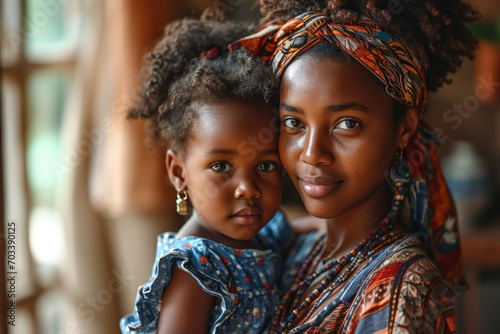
(380, 52)
(432, 210)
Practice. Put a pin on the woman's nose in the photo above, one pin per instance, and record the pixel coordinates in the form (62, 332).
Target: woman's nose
(247, 188)
(316, 149)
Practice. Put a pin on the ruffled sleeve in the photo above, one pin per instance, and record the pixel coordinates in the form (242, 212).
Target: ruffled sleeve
(195, 256)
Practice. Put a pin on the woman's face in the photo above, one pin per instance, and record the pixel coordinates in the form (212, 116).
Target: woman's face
(338, 135)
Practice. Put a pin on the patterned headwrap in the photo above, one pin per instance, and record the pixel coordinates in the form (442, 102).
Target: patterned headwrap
(431, 206)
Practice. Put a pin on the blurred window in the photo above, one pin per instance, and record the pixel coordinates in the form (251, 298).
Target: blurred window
(38, 50)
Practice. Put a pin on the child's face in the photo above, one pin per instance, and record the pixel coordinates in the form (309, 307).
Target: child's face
(232, 168)
(338, 135)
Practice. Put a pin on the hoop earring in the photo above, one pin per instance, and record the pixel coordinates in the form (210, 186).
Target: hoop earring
(400, 175)
(181, 202)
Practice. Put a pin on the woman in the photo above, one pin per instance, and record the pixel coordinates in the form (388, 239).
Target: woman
(353, 80)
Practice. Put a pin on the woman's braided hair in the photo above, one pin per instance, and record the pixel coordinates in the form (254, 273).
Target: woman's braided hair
(435, 31)
(176, 80)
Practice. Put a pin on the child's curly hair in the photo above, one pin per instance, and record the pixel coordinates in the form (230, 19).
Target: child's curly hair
(176, 79)
(434, 30)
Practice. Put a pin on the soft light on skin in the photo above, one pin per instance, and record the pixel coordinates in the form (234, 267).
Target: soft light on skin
(338, 139)
(231, 172)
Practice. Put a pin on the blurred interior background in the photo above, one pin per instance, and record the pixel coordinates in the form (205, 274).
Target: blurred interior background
(88, 198)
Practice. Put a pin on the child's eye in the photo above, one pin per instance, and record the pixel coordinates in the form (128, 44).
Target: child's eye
(348, 124)
(266, 166)
(221, 167)
(291, 122)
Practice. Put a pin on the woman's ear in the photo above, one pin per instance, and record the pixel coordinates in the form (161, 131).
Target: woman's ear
(409, 126)
(176, 170)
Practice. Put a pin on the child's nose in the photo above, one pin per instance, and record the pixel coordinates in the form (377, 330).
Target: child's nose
(247, 189)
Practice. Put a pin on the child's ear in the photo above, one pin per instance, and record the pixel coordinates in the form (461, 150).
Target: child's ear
(409, 126)
(175, 168)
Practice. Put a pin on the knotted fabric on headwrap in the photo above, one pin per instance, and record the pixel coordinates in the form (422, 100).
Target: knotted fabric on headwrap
(380, 52)
(431, 206)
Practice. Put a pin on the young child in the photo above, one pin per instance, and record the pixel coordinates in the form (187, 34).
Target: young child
(218, 273)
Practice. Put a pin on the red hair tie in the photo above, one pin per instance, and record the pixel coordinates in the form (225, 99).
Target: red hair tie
(210, 53)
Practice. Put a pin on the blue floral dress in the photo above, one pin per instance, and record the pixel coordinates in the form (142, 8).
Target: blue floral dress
(244, 280)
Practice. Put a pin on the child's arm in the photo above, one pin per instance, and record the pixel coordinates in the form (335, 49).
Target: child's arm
(185, 306)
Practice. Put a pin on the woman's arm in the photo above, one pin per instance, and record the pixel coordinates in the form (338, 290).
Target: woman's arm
(185, 306)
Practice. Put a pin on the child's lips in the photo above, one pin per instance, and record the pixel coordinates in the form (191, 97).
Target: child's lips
(248, 211)
(318, 186)
(246, 219)
(247, 215)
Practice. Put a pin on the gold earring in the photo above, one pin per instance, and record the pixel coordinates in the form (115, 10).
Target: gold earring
(181, 201)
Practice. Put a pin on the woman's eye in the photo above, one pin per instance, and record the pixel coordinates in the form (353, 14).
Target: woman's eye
(221, 167)
(348, 124)
(291, 122)
(267, 166)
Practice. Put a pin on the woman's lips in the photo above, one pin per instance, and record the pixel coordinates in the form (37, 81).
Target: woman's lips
(318, 187)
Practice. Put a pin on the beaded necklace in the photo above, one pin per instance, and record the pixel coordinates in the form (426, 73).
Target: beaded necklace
(376, 240)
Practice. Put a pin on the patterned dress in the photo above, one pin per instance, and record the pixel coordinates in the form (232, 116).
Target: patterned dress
(399, 290)
(243, 280)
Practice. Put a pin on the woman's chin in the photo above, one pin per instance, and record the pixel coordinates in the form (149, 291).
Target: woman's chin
(320, 211)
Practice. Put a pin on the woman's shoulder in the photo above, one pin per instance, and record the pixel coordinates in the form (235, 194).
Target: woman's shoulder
(407, 264)
(423, 297)
(408, 289)
(408, 260)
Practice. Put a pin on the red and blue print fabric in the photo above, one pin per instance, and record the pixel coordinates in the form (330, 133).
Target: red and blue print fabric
(243, 280)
